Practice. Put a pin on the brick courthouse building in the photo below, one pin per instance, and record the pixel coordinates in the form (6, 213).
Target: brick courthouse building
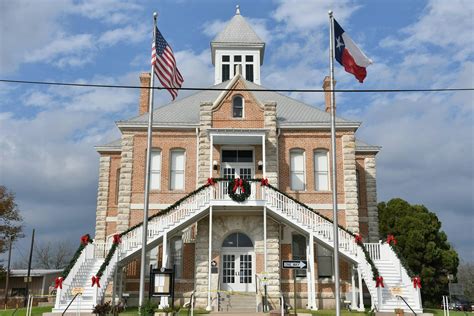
(248, 135)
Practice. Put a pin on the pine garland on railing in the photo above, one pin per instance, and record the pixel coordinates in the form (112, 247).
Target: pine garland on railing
(210, 182)
(402, 259)
(85, 240)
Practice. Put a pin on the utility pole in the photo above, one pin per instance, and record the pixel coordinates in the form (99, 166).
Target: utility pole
(29, 267)
(8, 271)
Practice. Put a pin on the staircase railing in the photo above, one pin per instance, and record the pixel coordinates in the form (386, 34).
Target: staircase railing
(406, 303)
(305, 216)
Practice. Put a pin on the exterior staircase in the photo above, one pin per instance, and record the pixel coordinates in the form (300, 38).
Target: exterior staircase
(242, 303)
(286, 209)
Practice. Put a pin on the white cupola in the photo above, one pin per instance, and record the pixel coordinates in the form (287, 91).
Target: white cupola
(237, 46)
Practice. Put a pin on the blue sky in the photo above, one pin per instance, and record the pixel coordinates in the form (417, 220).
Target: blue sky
(47, 134)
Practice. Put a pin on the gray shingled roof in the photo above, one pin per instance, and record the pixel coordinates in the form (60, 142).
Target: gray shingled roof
(362, 146)
(290, 112)
(238, 31)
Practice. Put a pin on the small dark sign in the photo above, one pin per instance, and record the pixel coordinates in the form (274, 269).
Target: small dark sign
(294, 264)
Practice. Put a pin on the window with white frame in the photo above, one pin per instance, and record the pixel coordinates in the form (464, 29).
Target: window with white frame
(321, 170)
(177, 256)
(177, 169)
(325, 262)
(297, 170)
(155, 170)
(225, 68)
(238, 107)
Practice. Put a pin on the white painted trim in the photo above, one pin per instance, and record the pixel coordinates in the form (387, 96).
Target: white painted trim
(152, 206)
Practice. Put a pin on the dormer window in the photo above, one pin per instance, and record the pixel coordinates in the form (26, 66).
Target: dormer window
(225, 67)
(249, 68)
(238, 107)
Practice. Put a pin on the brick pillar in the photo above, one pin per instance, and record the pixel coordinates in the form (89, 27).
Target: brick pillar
(102, 197)
(125, 183)
(327, 94)
(271, 142)
(371, 188)
(203, 162)
(145, 79)
(350, 183)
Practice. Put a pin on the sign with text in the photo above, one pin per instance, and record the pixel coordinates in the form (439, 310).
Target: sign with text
(161, 282)
(77, 290)
(294, 264)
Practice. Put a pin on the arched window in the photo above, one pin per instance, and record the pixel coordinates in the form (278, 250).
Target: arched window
(237, 240)
(238, 106)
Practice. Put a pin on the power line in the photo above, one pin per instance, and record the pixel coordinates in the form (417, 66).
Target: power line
(70, 84)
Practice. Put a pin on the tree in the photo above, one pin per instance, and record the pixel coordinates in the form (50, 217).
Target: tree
(10, 219)
(53, 255)
(422, 243)
(466, 279)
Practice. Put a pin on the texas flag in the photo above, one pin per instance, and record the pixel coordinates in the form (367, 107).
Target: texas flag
(349, 55)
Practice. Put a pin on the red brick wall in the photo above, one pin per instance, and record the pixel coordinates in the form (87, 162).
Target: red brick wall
(252, 115)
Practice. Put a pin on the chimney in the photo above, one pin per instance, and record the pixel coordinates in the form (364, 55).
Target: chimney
(327, 94)
(144, 92)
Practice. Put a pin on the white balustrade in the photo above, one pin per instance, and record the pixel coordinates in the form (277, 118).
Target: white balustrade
(374, 250)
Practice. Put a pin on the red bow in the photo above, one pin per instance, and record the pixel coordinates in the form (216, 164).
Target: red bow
(238, 183)
(358, 239)
(85, 239)
(95, 280)
(264, 182)
(117, 239)
(417, 282)
(58, 283)
(379, 281)
(390, 239)
(210, 181)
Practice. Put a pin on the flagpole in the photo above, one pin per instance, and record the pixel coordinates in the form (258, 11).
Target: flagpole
(147, 183)
(333, 166)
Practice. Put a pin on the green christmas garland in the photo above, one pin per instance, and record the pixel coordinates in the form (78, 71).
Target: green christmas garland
(402, 259)
(76, 256)
(112, 250)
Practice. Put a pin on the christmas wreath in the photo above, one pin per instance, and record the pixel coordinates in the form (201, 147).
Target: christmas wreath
(239, 190)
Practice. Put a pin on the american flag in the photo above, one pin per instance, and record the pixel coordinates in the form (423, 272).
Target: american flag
(164, 65)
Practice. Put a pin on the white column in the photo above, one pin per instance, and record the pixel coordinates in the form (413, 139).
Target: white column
(208, 307)
(361, 291)
(164, 263)
(353, 288)
(313, 272)
(308, 274)
(265, 239)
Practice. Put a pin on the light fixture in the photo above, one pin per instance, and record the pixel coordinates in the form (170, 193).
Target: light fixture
(214, 164)
(260, 165)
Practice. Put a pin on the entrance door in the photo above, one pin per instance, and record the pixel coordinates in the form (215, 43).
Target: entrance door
(237, 264)
(237, 271)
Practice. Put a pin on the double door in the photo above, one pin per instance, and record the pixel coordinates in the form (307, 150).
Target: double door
(237, 271)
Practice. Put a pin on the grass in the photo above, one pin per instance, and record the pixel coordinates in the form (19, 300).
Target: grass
(37, 311)
(439, 312)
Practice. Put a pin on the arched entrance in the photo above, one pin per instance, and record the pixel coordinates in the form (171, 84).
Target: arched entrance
(237, 263)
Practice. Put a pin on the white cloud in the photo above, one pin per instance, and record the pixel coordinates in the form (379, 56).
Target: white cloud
(307, 16)
(129, 33)
(108, 11)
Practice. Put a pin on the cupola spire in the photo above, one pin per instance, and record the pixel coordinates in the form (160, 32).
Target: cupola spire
(237, 10)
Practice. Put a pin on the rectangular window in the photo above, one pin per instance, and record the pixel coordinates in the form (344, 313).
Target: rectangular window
(298, 249)
(238, 58)
(226, 58)
(177, 256)
(249, 72)
(155, 170)
(249, 58)
(321, 170)
(297, 167)
(225, 72)
(177, 170)
(237, 156)
(325, 262)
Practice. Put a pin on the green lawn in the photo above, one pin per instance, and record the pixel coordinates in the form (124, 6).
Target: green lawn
(439, 312)
(37, 311)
